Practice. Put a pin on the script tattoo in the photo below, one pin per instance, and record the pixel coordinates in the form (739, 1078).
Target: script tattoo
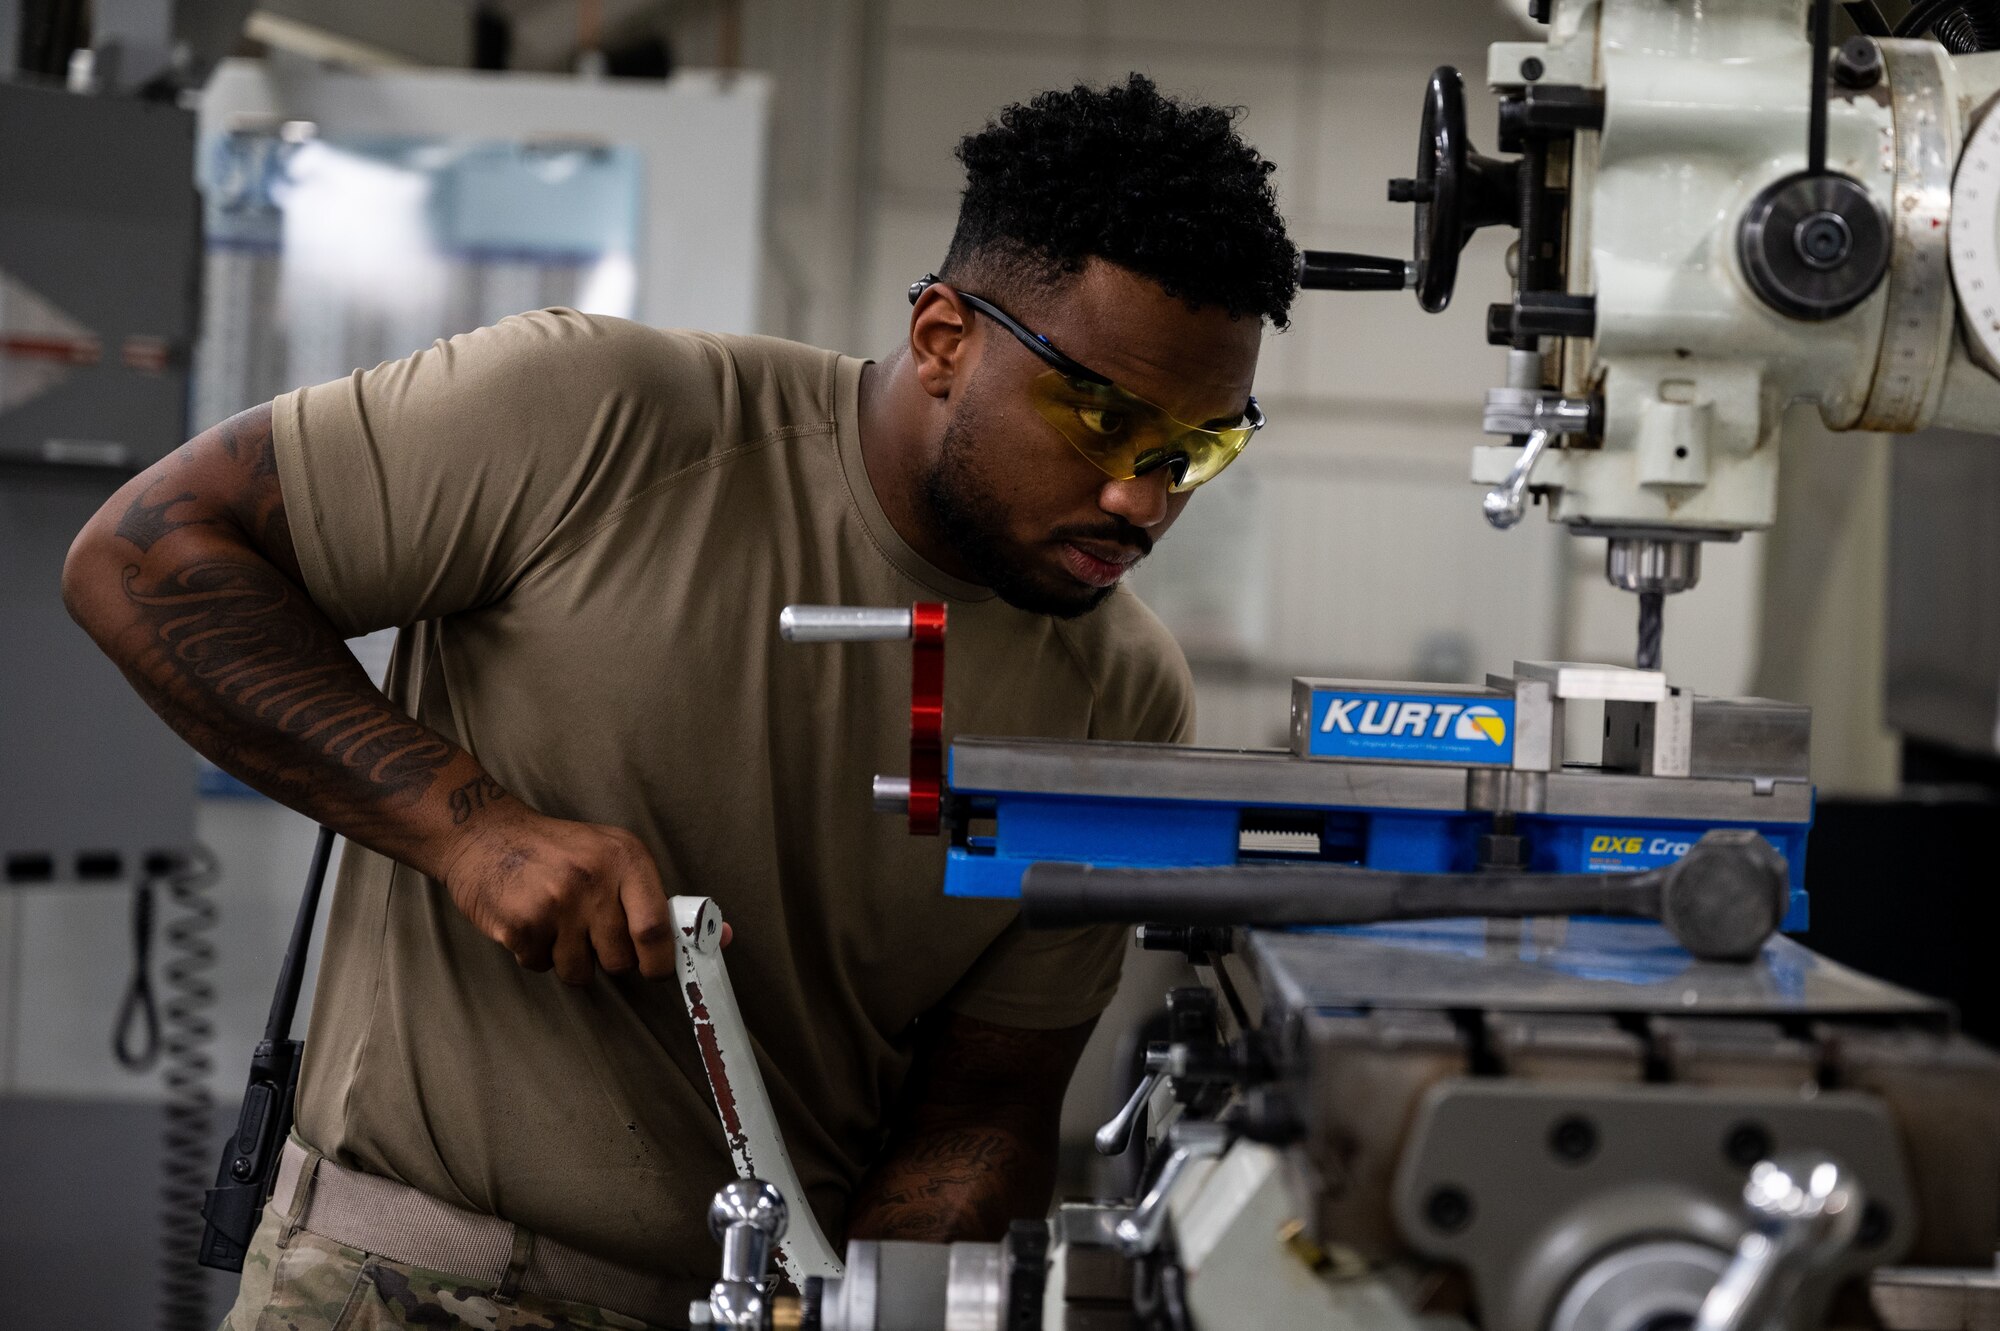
(473, 796)
(241, 634)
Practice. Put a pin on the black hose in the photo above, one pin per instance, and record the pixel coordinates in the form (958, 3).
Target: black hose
(186, 1140)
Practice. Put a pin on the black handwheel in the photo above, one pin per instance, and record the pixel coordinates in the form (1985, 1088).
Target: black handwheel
(1456, 190)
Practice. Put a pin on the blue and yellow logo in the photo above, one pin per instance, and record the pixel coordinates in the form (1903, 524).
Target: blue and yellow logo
(1411, 727)
(1481, 722)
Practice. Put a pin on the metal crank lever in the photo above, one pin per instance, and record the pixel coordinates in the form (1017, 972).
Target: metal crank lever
(748, 1122)
(1541, 416)
(1116, 1135)
(1139, 1233)
(1804, 1211)
(921, 793)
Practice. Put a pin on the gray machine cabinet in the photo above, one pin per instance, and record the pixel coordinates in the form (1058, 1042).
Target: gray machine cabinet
(91, 782)
(99, 221)
(99, 218)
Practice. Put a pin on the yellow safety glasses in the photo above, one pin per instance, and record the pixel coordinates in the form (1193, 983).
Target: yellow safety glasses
(1122, 434)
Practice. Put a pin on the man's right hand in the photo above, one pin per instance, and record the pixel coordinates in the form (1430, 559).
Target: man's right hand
(562, 895)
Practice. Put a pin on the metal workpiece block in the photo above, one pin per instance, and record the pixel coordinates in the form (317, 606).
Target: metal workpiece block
(1363, 1078)
(1714, 1051)
(1944, 1093)
(1583, 1047)
(1588, 680)
(1531, 1186)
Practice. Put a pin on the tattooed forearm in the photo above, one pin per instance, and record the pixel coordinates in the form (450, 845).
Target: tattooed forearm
(188, 579)
(977, 1147)
(473, 796)
(235, 645)
(953, 1184)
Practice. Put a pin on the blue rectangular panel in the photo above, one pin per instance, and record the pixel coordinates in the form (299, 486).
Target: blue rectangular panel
(1412, 727)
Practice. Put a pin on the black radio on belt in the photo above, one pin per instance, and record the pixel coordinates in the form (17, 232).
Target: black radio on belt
(250, 1157)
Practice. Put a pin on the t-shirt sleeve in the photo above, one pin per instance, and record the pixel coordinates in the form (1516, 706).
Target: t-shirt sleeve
(1045, 979)
(431, 485)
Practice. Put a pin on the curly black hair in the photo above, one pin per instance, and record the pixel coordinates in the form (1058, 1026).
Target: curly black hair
(1160, 186)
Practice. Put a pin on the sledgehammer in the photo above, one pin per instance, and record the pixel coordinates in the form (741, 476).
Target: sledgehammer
(1721, 900)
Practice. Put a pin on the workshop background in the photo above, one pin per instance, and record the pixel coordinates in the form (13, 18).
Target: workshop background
(785, 166)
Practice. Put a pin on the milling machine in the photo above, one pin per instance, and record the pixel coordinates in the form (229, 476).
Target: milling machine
(1487, 1037)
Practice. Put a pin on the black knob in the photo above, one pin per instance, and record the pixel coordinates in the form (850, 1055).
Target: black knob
(1858, 63)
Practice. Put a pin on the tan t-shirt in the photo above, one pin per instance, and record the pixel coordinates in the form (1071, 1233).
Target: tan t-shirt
(589, 527)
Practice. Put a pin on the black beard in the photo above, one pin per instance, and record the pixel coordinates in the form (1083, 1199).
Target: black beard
(964, 515)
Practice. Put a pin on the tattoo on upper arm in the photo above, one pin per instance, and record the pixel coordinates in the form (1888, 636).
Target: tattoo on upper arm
(239, 635)
(253, 497)
(147, 520)
(246, 436)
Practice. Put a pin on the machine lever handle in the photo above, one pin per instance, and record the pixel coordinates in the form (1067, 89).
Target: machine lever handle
(1116, 1135)
(844, 623)
(1804, 1210)
(1139, 1233)
(747, 1218)
(1506, 502)
(1334, 270)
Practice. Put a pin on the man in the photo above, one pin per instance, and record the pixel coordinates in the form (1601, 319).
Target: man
(586, 529)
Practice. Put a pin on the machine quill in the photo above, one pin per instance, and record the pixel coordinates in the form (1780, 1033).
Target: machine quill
(1487, 1037)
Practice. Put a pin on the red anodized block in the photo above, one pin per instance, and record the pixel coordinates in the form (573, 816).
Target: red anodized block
(926, 716)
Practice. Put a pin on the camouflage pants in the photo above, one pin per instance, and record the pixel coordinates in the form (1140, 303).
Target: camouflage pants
(315, 1284)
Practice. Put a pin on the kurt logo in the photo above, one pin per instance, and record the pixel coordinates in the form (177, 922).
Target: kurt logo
(1419, 720)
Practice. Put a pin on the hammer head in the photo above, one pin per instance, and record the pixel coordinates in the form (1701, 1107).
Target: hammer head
(1727, 895)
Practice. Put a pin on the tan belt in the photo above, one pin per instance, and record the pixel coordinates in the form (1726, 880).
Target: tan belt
(394, 1221)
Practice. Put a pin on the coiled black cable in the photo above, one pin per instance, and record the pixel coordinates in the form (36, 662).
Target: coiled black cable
(138, 1049)
(186, 1140)
(1960, 26)
(1969, 28)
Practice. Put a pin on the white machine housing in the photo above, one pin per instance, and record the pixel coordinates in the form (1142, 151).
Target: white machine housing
(1704, 106)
